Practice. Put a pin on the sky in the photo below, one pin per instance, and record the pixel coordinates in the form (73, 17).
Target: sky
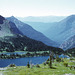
(22, 8)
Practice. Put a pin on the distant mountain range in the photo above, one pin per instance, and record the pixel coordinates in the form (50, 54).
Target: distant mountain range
(12, 30)
(12, 39)
(44, 19)
(61, 32)
(28, 31)
(40, 26)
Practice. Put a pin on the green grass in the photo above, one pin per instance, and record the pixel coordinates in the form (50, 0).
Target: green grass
(3, 52)
(58, 69)
(26, 52)
(8, 52)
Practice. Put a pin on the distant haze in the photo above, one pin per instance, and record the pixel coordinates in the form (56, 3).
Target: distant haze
(44, 19)
(24, 8)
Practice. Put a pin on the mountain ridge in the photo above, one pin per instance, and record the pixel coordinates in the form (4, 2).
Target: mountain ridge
(68, 44)
(19, 42)
(31, 33)
(63, 30)
(44, 19)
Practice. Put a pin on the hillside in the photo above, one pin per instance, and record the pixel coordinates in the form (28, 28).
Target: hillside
(69, 43)
(62, 30)
(40, 26)
(8, 28)
(12, 39)
(28, 31)
(70, 52)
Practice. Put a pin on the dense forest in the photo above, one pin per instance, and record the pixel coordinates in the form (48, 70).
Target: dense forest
(70, 52)
(23, 43)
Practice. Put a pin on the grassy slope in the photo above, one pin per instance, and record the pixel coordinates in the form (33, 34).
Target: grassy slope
(43, 70)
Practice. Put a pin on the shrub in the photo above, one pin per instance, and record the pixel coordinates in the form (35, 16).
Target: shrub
(44, 63)
(66, 64)
(47, 62)
(12, 65)
(72, 58)
(62, 60)
(38, 66)
(48, 59)
(58, 59)
(28, 65)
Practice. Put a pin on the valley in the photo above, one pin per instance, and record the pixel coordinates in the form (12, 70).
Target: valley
(20, 43)
(37, 37)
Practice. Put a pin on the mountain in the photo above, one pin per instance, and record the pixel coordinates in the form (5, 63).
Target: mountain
(23, 43)
(31, 33)
(7, 28)
(1, 19)
(69, 43)
(44, 19)
(40, 26)
(62, 30)
(12, 39)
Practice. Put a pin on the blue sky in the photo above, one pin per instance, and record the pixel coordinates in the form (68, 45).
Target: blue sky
(22, 8)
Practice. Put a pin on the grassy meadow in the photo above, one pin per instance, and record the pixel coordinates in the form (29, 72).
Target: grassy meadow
(58, 68)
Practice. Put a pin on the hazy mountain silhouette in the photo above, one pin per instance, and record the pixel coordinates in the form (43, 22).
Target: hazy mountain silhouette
(40, 26)
(31, 33)
(44, 19)
(62, 30)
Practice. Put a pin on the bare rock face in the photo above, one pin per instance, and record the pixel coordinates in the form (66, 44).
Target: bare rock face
(7, 28)
(69, 43)
(1, 19)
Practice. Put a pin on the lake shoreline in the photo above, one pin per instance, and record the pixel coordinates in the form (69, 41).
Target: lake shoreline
(23, 61)
(14, 55)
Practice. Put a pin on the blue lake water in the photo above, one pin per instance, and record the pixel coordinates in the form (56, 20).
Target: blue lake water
(23, 61)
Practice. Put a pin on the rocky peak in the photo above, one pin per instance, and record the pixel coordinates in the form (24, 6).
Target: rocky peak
(1, 19)
(71, 18)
